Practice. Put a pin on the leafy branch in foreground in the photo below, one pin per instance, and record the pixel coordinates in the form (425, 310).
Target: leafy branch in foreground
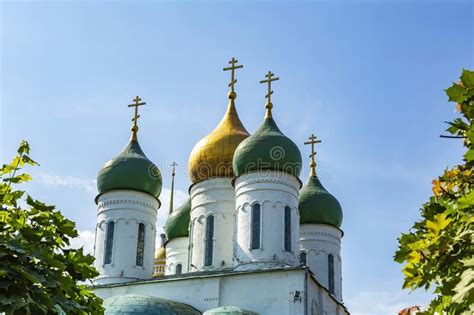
(39, 272)
(438, 251)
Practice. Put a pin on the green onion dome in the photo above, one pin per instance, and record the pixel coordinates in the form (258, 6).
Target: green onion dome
(146, 305)
(132, 170)
(317, 205)
(267, 149)
(177, 224)
(229, 310)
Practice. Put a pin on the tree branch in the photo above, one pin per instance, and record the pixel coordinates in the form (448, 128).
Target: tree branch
(453, 137)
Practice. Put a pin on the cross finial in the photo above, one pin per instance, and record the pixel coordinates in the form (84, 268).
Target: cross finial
(233, 81)
(137, 102)
(270, 78)
(173, 173)
(173, 169)
(312, 140)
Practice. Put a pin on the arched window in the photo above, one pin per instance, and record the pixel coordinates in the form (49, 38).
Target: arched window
(209, 241)
(303, 259)
(109, 242)
(255, 227)
(315, 308)
(179, 269)
(140, 244)
(331, 273)
(287, 229)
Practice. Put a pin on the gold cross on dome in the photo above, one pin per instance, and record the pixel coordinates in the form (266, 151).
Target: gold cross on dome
(270, 78)
(312, 140)
(137, 102)
(232, 68)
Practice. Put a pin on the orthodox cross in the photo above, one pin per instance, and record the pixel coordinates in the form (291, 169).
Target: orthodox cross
(173, 173)
(232, 68)
(269, 80)
(137, 102)
(173, 168)
(312, 140)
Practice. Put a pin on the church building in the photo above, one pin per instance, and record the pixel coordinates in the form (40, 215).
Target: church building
(250, 239)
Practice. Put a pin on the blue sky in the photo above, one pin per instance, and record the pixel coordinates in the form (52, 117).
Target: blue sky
(367, 77)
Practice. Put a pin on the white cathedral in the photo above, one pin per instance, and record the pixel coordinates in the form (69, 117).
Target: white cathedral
(251, 239)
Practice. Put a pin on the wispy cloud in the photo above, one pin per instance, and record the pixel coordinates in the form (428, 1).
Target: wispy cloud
(52, 180)
(85, 240)
(89, 185)
(383, 302)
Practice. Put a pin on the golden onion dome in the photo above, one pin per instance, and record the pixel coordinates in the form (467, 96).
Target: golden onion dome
(160, 253)
(212, 156)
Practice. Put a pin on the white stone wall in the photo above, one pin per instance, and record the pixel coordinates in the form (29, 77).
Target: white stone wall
(266, 293)
(177, 251)
(273, 191)
(127, 209)
(319, 301)
(318, 241)
(215, 197)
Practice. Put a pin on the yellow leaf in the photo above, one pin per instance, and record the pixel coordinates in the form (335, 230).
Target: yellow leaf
(452, 173)
(414, 257)
(437, 187)
(4, 216)
(439, 223)
(449, 186)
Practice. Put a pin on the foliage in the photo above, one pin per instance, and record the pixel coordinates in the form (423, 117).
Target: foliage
(39, 272)
(438, 251)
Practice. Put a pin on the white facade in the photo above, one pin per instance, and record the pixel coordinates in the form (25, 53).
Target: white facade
(212, 197)
(278, 291)
(177, 252)
(132, 213)
(273, 192)
(319, 241)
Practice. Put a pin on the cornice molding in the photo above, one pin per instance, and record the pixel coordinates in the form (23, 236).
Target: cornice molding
(267, 180)
(201, 190)
(102, 205)
(318, 233)
(173, 249)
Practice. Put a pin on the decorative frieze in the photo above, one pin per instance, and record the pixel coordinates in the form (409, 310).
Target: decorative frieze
(108, 202)
(319, 233)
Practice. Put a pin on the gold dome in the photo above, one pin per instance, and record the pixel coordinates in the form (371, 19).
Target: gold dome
(160, 253)
(160, 262)
(212, 155)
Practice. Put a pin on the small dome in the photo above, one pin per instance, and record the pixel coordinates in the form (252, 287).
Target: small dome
(146, 305)
(267, 149)
(212, 156)
(317, 205)
(229, 310)
(131, 169)
(177, 224)
(160, 262)
(160, 253)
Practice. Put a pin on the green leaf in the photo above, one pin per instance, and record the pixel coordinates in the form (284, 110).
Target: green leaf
(469, 156)
(467, 78)
(24, 147)
(456, 93)
(27, 160)
(470, 134)
(39, 273)
(466, 201)
(465, 288)
(439, 248)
